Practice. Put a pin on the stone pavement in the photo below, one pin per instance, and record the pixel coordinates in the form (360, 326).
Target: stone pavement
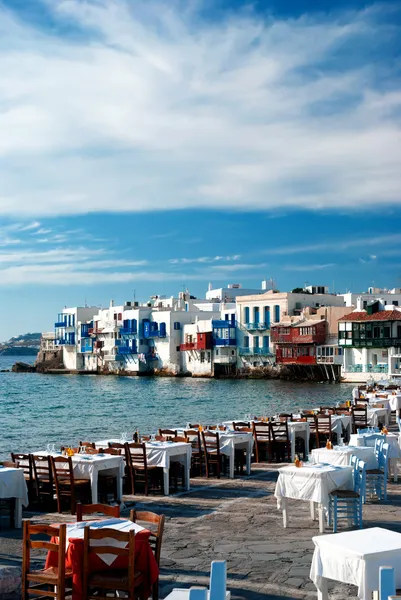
(238, 521)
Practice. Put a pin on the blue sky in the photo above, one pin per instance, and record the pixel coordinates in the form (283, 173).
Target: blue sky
(152, 146)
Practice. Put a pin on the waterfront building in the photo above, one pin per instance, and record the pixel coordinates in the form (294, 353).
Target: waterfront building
(384, 295)
(67, 331)
(371, 340)
(231, 292)
(256, 314)
(196, 349)
(48, 342)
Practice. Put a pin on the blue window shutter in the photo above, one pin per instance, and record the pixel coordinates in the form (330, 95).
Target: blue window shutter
(162, 329)
(246, 314)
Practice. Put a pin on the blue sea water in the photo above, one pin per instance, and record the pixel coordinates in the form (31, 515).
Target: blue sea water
(39, 409)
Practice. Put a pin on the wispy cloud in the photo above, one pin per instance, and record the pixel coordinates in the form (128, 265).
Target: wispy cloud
(238, 267)
(154, 107)
(306, 268)
(203, 259)
(338, 245)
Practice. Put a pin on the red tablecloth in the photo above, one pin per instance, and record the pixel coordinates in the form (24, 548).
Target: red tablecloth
(74, 559)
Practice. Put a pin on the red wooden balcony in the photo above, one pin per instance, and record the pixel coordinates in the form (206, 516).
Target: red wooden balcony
(189, 346)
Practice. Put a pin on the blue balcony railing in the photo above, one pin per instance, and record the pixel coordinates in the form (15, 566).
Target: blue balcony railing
(124, 350)
(224, 342)
(128, 331)
(222, 324)
(59, 324)
(257, 326)
(254, 352)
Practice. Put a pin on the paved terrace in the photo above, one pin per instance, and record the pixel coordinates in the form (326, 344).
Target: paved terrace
(238, 521)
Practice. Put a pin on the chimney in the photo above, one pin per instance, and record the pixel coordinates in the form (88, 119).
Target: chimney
(210, 287)
(111, 303)
(359, 304)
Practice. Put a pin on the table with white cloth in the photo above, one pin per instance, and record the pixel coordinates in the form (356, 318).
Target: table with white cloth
(355, 557)
(393, 440)
(161, 454)
(341, 455)
(378, 415)
(313, 482)
(295, 429)
(341, 424)
(394, 401)
(13, 485)
(89, 466)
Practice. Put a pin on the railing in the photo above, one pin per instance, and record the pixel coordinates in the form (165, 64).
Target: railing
(189, 346)
(367, 369)
(222, 324)
(128, 331)
(124, 350)
(297, 360)
(254, 352)
(224, 342)
(59, 324)
(225, 359)
(257, 326)
(376, 343)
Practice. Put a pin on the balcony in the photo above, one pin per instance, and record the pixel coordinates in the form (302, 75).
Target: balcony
(59, 324)
(297, 360)
(254, 352)
(188, 346)
(222, 324)
(124, 350)
(256, 326)
(225, 360)
(219, 342)
(128, 331)
(376, 343)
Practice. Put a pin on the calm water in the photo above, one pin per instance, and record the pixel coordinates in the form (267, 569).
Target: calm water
(38, 409)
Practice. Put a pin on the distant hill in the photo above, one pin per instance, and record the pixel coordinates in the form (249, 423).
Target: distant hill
(26, 344)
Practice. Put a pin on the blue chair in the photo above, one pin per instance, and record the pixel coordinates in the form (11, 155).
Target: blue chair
(386, 583)
(376, 479)
(398, 419)
(347, 504)
(369, 430)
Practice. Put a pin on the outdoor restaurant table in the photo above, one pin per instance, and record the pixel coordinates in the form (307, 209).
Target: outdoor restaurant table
(341, 424)
(160, 454)
(88, 466)
(394, 401)
(145, 561)
(13, 485)
(295, 429)
(231, 441)
(312, 482)
(341, 455)
(369, 439)
(355, 557)
(378, 415)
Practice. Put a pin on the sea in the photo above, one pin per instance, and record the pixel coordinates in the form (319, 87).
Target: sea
(37, 409)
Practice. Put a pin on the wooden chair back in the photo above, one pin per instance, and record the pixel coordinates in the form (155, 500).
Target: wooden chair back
(239, 424)
(42, 472)
(31, 542)
(194, 438)
(193, 425)
(244, 429)
(87, 444)
(359, 417)
(89, 578)
(178, 438)
(156, 537)
(286, 416)
(24, 462)
(323, 425)
(168, 434)
(135, 455)
(63, 477)
(211, 442)
(261, 431)
(96, 509)
(112, 451)
(279, 431)
(9, 464)
(330, 410)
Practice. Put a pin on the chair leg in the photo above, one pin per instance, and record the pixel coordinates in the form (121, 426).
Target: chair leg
(335, 515)
(257, 452)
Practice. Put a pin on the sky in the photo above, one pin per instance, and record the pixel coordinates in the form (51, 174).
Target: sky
(148, 147)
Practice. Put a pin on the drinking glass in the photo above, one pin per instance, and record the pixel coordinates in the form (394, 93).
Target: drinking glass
(123, 436)
(82, 450)
(49, 448)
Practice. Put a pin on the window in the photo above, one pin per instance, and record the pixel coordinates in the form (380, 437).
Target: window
(177, 348)
(246, 314)
(202, 357)
(232, 352)
(395, 302)
(208, 357)
(256, 314)
(217, 352)
(189, 359)
(266, 341)
(277, 313)
(177, 325)
(256, 341)
(246, 341)
(267, 315)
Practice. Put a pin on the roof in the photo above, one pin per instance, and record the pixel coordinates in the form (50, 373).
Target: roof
(383, 315)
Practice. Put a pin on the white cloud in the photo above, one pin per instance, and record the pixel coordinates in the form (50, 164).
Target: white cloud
(158, 109)
(301, 268)
(339, 244)
(203, 259)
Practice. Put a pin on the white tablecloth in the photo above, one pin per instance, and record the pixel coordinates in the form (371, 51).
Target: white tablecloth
(355, 557)
(90, 465)
(312, 482)
(76, 530)
(13, 485)
(369, 439)
(161, 454)
(395, 401)
(341, 455)
(340, 423)
(378, 415)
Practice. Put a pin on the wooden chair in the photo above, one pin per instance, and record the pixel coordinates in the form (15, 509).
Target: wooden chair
(330, 410)
(324, 433)
(193, 425)
(313, 431)
(139, 470)
(43, 478)
(90, 450)
(286, 416)
(180, 440)
(55, 579)
(95, 509)
(194, 438)
(359, 417)
(155, 539)
(211, 448)
(87, 445)
(113, 580)
(240, 424)
(263, 442)
(67, 487)
(111, 451)
(168, 434)
(24, 462)
(281, 445)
